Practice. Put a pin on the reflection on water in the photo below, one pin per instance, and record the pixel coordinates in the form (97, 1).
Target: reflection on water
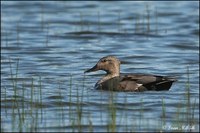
(46, 46)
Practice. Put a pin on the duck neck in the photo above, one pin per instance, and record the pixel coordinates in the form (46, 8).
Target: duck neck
(110, 74)
(114, 72)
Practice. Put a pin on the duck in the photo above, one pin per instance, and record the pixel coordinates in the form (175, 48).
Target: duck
(114, 81)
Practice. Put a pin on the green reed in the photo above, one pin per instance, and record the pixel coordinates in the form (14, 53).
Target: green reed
(42, 16)
(47, 35)
(112, 117)
(5, 98)
(32, 94)
(99, 22)
(20, 107)
(77, 121)
(188, 111)
(81, 22)
(190, 108)
(148, 18)
(136, 25)
(193, 116)
(23, 104)
(18, 37)
(156, 23)
(90, 124)
(70, 100)
(163, 113)
(112, 112)
(125, 105)
(2, 129)
(6, 34)
(40, 94)
(187, 95)
(119, 22)
(19, 116)
(124, 115)
(60, 104)
(19, 119)
(185, 112)
(142, 22)
(79, 109)
(14, 82)
(141, 113)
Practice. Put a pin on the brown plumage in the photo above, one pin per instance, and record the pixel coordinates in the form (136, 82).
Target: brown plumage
(127, 82)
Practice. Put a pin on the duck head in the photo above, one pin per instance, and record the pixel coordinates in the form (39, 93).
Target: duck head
(109, 64)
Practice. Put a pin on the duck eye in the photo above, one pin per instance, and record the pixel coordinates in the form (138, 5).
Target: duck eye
(104, 60)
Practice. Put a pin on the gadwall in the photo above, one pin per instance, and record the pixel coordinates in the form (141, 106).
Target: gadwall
(128, 82)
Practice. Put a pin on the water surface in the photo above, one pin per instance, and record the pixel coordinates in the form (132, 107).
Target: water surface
(46, 46)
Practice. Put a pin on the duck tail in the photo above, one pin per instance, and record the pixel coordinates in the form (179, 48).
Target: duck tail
(172, 79)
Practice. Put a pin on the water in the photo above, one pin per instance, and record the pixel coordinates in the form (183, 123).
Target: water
(46, 46)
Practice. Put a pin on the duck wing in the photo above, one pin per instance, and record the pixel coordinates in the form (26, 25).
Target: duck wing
(120, 83)
(140, 82)
(137, 82)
